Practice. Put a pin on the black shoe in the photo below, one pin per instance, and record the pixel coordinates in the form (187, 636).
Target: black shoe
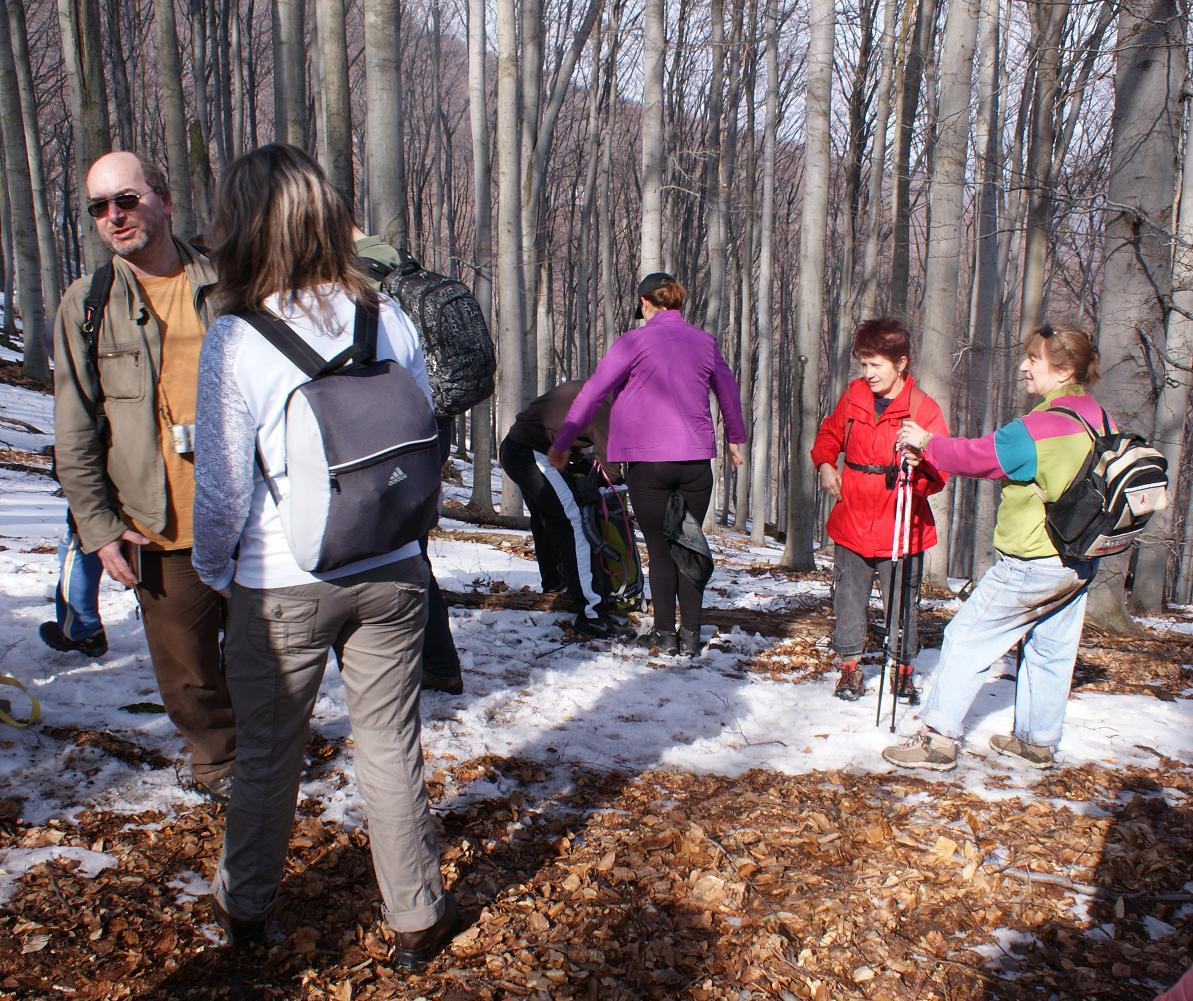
(240, 932)
(417, 948)
(660, 641)
(598, 628)
(688, 641)
(453, 684)
(95, 645)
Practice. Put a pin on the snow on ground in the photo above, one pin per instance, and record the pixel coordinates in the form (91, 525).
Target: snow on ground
(529, 693)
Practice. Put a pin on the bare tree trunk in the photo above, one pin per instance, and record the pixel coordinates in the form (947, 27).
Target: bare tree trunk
(1048, 26)
(174, 116)
(801, 504)
(289, 70)
(20, 192)
(717, 227)
(760, 472)
(239, 95)
(652, 141)
(941, 281)
(910, 76)
(122, 98)
(605, 222)
(482, 283)
(79, 24)
(869, 290)
(387, 210)
(1145, 127)
(336, 131)
(510, 301)
(46, 250)
(986, 285)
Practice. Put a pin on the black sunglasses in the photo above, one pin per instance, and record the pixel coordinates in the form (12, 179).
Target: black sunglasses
(125, 201)
(1045, 330)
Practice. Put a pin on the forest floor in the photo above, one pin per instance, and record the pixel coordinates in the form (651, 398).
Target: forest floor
(614, 825)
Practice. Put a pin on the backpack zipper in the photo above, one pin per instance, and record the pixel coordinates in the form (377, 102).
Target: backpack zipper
(338, 470)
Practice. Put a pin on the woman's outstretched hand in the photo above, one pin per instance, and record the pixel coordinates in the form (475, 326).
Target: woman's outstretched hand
(557, 458)
(911, 435)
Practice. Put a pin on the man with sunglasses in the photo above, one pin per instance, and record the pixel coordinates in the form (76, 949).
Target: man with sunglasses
(127, 340)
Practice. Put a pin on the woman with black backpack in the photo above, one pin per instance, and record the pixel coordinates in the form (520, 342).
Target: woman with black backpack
(1031, 593)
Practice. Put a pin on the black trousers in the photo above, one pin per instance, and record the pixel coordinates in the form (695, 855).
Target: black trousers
(560, 546)
(651, 486)
(439, 648)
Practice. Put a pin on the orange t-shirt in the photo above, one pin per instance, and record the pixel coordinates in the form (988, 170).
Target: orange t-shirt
(171, 300)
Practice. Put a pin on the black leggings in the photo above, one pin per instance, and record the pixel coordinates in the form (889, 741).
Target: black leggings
(651, 486)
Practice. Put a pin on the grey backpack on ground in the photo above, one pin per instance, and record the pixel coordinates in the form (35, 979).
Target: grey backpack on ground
(362, 451)
(461, 362)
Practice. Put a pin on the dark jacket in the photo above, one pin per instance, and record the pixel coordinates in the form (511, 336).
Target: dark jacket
(537, 426)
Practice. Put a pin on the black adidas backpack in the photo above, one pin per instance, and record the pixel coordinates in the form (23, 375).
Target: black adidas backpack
(461, 363)
(1107, 506)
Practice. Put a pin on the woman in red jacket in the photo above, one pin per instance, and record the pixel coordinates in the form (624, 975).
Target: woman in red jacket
(864, 426)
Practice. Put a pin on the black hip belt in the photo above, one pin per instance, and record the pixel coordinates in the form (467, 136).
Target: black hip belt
(890, 472)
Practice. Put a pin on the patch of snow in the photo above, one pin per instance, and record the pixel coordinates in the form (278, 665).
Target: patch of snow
(15, 862)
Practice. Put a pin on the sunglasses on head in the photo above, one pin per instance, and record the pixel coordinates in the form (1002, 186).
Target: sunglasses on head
(1046, 330)
(126, 201)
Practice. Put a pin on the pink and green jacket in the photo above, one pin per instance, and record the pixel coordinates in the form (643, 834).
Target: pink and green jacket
(1041, 450)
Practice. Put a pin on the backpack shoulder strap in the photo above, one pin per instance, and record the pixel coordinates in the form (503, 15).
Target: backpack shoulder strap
(915, 400)
(97, 299)
(1089, 428)
(278, 333)
(375, 269)
(364, 336)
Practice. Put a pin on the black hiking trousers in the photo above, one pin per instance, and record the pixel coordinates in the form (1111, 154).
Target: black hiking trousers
(651, 486)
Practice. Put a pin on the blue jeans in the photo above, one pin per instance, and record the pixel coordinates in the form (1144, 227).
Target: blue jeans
(76, 602)
(1039, 601)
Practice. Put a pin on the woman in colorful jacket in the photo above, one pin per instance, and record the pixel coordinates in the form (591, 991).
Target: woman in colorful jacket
(660, 424)
(864, 426)
(1031, 592)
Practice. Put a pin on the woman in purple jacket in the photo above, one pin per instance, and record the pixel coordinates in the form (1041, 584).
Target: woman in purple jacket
(660, 376)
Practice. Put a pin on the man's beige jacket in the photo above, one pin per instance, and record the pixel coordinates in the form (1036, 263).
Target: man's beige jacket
(108, 448)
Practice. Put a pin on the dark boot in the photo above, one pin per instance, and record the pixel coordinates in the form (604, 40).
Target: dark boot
(660, 641)
(688, 641)
(417, 948)
(903, 685)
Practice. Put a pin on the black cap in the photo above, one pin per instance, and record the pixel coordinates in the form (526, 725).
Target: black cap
(651, 283)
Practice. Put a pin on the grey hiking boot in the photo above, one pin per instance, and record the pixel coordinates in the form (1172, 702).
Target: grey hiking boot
(1036, 755)
(924, 750)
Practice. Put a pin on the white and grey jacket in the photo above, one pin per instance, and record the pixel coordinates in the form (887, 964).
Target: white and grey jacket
(244, 383)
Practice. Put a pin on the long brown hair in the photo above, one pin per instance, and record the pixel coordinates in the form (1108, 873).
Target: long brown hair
(280, 227)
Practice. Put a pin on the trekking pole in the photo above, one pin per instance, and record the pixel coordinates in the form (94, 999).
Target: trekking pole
(897, 649)
(892, 596)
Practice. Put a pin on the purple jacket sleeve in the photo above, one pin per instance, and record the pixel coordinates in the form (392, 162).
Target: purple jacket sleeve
(724, 386)
(610, 376)
(965, 456)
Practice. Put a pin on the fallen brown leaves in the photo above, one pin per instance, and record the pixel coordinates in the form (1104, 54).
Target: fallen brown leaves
(818, 886)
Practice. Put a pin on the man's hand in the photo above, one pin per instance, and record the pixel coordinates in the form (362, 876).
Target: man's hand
(830, 479)
(113, 558)
(557, 459)
(735, 454)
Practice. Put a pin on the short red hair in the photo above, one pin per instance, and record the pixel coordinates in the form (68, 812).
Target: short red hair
(884, 336)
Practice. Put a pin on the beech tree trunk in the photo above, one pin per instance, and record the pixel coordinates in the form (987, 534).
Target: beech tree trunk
(337, 110)
(481, 498)
(20, 192)
(1145, 130)
(289, 70)
(79, 24)
(801, 498)
(387, 208)
(510, 292)
(941, 281)
(652, 141)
